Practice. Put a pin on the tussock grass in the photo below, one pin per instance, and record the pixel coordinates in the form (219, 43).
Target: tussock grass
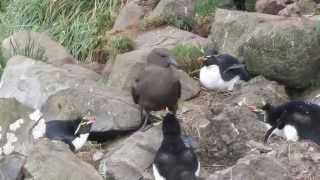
(78, 25)
(158, 21)
(119, 45)
(206, 7)
(186, 56)
(30, 49)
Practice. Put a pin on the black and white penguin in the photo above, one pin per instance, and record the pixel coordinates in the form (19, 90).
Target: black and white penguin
(158, 86)
(173, 160)
(221, 72)
(72, 132)
(298, 120)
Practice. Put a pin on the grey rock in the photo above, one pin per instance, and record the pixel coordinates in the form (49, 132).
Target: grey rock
(254, 167)
(128, 66)
(301, 159)
(270, 6)
(52, 160)
(168, 37)
(232, 125)
(114, 109)
(259, 90)
(11, 167)
(133, 157)
(32, 82)
(262, 41)
(178, 8)
(17, 127)
(131, 15)
(301, 7)
(39, 43)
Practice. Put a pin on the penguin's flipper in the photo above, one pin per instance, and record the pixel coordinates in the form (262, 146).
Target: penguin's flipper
(234, 66)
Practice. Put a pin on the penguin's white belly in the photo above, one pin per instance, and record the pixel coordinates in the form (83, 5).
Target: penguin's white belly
(289, 132)
(210, 78)
(156, 173)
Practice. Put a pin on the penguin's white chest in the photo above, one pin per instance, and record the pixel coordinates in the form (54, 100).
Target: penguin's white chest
(210, 78)
(289, 132)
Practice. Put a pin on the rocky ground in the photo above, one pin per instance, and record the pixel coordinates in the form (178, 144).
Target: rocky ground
(281, 52)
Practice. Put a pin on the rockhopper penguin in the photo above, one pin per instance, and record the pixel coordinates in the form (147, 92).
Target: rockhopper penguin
(72, 132)
(221, 72)
(173, 160)
(298, 120)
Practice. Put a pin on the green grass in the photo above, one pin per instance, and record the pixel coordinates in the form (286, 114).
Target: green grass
(157, 21)
(206, 7)
(78, 25)
(29, 49)
(186, 56)
(119, 44)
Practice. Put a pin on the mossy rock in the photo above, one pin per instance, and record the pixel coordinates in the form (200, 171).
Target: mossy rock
(282, 49)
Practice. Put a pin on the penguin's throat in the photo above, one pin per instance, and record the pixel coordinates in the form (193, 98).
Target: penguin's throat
(80, 141)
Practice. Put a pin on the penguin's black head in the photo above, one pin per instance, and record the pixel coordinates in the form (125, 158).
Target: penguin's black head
(273, 115)
(209, 57)
(161, 57)
(85, 124)
(170, 125)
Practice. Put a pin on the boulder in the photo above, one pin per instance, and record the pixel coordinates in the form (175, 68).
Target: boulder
(281, 160)
(254, 167)
(18, 127)
(132, 157)
(11, 167)
(312, 95)
(270, 6)
(52, 160)
(37, 45)
(232, 125)
(132, 14)
(300, 7)
(177, 8)
(32, 82)
(114, 109)
(257, 91)
(278, 48)
(129, 16)
(301, 159)
(128, 66)
(168, 37)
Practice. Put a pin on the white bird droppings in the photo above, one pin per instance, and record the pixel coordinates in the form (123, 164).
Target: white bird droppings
(39, 130)
(36, 115)
(16, 125)
(8, 148)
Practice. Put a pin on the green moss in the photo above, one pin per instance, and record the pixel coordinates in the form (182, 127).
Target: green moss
(186, 56)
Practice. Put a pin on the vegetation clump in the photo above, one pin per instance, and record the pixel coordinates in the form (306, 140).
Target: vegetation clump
(186, 56)
(78, 25)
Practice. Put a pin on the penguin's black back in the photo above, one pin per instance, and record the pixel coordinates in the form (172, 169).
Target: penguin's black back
(225, 61)
(62, 130)
(304, 116)
(174, 161)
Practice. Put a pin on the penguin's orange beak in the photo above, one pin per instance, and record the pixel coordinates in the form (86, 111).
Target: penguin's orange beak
(200, 60)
